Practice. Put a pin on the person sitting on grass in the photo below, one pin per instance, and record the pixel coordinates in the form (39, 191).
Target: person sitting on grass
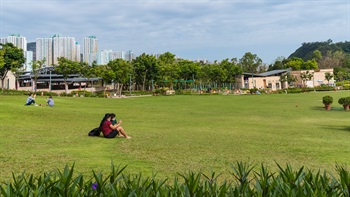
(109, 130)
(31, 99)
(114, 122)
(50, 101)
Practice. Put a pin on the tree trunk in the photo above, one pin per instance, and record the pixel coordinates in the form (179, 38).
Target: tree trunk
(143, 83)
(120, 90)
(65, 86)
(3, 80)
(2, 83)
(33, 85)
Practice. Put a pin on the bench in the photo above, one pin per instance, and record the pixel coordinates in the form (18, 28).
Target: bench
(170, 92)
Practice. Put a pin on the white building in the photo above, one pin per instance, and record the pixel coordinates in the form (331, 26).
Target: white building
(116, 55)
(90, 46)
(20, 42)
(29, 58)
(103, 57)
(57, 46)
(17, 40)
(78, 52)
(130, 55)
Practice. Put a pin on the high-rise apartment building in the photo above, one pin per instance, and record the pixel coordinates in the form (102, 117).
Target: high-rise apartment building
(78, 52)
(29, 58)
(103, 57)
(116, 55)
(57, 46)
(17, 40)
(20, 42)
(44, 50)
(130, 55)
(90, 48)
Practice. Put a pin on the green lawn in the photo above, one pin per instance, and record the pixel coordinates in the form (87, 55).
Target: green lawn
(173, 134)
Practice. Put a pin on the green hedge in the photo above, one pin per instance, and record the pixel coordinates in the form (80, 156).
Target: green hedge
(25, 92)
(246, 180)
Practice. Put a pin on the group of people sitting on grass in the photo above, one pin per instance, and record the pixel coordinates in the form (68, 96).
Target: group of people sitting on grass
(111, 128)
(31, 100)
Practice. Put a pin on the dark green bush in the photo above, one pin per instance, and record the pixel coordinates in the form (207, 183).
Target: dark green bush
(327, 100)
(14, 92)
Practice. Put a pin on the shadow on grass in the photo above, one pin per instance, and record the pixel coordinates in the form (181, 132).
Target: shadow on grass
(339, 128)
(321, 108)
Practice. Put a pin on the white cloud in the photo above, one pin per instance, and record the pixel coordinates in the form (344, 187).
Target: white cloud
(213, 29)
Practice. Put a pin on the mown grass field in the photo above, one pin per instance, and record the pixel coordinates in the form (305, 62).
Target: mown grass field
(175, 134)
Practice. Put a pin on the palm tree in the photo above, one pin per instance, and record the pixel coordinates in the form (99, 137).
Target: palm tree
(328, 76)
(306, 76)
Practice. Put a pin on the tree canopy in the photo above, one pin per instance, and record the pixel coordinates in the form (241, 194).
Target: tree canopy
(11, 58)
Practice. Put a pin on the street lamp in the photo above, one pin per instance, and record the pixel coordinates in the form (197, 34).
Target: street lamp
(50, 80)
(152, 85)
(130, 84)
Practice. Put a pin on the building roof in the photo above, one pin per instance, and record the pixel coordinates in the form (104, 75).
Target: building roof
(268, 73)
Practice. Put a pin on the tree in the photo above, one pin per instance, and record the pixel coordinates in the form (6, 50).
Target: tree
(306, 76)
(17, 72)
(204, 73)
(66, 67)
(188, 70)
(310, 65)
(332, 59)
(291, 78)
(231, 69)
(145, 68)
(250, 62)
(328, 76)
(295, 63)
(36, 66)
(168, 68)
(283, 80)
(317, 55)
(11, 59)
(88, 72)
(120, 71)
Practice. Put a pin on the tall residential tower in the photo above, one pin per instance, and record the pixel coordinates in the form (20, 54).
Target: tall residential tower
(90, 48)
(56, 46)
(17, 40)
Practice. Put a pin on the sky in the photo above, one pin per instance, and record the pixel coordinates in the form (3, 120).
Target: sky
(190, 29)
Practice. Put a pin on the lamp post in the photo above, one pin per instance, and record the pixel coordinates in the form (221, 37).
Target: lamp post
(50, 82)
(130, 84)
(152, 85)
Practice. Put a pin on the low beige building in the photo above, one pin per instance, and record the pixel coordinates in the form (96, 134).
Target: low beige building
(318, 78)
(9, 82)
(272, 79)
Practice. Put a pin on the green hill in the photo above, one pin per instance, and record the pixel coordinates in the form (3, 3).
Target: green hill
(306, 50)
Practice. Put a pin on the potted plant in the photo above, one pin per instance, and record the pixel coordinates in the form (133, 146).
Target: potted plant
(341, 101)
(345, 102)
(327, 101)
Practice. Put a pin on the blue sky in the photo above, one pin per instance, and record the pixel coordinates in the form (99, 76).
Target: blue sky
(191, 29)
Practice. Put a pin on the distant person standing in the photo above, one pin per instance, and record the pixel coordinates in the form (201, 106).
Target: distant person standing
(31, 99)
(50, 102)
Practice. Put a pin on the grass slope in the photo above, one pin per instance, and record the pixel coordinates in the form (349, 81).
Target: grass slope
(175, 133)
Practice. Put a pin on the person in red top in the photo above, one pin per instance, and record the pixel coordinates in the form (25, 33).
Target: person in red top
(111, 131)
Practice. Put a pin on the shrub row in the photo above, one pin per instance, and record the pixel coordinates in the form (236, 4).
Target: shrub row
(245, 182)
(161, 91)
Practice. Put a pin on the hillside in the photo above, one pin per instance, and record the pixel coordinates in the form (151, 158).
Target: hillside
(306, 50)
